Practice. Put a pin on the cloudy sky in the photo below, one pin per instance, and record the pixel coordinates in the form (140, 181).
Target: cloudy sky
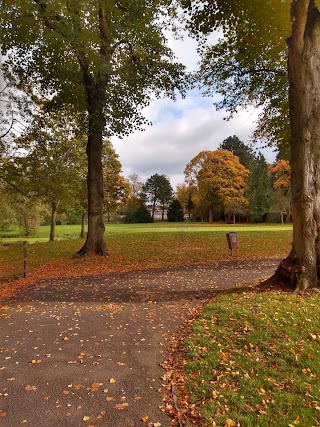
(181, 129)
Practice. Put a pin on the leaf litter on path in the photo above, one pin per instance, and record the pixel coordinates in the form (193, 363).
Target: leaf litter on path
(100, 341)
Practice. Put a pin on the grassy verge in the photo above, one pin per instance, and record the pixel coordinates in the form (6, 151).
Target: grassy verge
(254, 361)
(140, 246)
(154, 246)
(62, 232)
(67, 232)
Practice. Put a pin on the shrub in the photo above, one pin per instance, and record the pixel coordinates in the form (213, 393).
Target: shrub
(136, 212)
(175, 211)
(142, 214)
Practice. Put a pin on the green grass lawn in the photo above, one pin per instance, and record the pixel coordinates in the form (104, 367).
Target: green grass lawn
(63, 232)
(253, 360)
(66, 232)
(144, 246)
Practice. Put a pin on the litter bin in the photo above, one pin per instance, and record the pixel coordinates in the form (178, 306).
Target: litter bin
(233, 241)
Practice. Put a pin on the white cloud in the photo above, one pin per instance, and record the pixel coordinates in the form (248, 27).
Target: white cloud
(181, 129)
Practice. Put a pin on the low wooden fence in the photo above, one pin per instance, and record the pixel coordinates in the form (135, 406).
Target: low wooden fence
(20, 266)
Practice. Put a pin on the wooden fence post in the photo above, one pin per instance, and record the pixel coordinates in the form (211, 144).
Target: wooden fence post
(25, 259)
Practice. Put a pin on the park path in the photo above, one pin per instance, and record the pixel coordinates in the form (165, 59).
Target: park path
(87, 351)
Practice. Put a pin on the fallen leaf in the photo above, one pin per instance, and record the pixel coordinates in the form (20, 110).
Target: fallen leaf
(3, 414)
(30, 388)
(112, 381)
(230, 423)
(145, 418)
(121, 406)
(86, 418)
(78, 386)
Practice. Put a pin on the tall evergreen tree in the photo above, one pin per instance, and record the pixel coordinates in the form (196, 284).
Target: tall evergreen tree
(158, 190)
(175, 211)
(238, 148)
(259, 189)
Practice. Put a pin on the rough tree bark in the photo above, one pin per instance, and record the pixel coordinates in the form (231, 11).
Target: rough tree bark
(95, 242)
(301, 269)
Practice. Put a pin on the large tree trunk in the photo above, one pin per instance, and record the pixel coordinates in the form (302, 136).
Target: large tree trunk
(95, 242)
(54, 211)
(300, 268)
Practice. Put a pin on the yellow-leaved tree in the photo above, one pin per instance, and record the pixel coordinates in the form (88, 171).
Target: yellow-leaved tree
(282, 174)
(281, 195)
(220, 181)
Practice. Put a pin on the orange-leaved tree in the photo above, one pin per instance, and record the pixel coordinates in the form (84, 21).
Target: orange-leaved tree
(281, 197)
(220, 180)
(282, 174)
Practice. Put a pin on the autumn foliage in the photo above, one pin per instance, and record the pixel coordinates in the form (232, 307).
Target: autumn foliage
(282, 174)
(219, 181)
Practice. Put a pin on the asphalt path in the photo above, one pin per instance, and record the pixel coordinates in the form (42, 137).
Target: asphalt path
(87, 351)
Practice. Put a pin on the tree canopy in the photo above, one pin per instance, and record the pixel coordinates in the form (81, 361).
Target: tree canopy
(158, 190)
(248, 64)
(116, 187)
(66, 48)
(238, 148)
(47, 161)
(220, 180)
(175, 211)
(108, 58)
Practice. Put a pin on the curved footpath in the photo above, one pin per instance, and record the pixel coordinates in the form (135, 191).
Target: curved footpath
(87, 351)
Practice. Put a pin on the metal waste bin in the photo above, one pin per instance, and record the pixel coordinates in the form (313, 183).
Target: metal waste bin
(233, 241)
